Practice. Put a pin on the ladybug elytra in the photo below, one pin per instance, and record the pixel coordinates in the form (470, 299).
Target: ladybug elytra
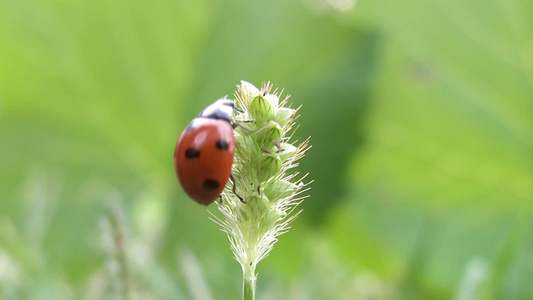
(204, 154)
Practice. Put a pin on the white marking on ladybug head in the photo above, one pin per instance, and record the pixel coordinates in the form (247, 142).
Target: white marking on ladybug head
(221, 109)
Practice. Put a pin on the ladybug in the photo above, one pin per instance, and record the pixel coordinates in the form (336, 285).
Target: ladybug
(204, 153)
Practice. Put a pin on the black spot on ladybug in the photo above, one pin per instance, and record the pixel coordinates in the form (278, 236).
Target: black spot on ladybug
(222, 145)
(211, 184)
(192, 153)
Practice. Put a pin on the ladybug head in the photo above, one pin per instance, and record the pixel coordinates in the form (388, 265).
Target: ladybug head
(221, 109)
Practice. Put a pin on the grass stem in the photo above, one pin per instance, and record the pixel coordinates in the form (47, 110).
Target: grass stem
(248, 284)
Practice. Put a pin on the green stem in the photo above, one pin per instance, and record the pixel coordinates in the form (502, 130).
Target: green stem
(120, 251)
(248, 283)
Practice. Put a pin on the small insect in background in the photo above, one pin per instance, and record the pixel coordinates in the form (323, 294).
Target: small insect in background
(204, 153)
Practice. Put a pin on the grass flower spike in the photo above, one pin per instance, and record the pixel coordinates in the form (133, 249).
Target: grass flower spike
(262, 166)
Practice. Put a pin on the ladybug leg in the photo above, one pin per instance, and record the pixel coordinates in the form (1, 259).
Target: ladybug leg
(220, 199)
(234, 189)
(236, 123)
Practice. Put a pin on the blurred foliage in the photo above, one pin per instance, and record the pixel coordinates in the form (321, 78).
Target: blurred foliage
(421, 121)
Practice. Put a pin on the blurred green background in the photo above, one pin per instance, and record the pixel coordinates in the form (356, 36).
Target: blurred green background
(420, 115)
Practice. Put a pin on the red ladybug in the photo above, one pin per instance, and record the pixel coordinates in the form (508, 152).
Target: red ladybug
(204, 153)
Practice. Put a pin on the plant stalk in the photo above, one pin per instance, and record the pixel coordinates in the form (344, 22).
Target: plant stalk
(120, 249)
(248, 283)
